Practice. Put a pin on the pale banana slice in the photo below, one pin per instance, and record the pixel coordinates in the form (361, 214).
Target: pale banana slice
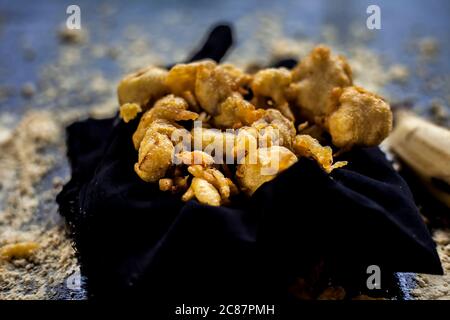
(424, 147)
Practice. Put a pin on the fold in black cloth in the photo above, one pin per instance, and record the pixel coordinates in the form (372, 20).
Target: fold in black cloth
(136, 241)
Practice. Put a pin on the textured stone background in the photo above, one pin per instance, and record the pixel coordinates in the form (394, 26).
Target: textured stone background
(45, 84)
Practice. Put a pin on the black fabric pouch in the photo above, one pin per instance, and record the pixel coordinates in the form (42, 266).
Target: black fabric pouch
(133, 240)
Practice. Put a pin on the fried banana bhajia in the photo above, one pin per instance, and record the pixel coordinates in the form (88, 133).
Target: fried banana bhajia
(129, 111)
(259, 136)
(307, 146)
(204, 192)
(195, 157)
(273, 83)
(169, 108)
(283, 126)
(182, 77)
(205, 83)
(213, 85)
(315, 81)
(361, 119)
(142, 87)
(155, 154)
(235, 112)
(269, 163)
(224, 185)
(204, 138)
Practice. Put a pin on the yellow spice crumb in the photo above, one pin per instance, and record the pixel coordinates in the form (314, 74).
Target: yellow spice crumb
(129, 111)
(21, 250)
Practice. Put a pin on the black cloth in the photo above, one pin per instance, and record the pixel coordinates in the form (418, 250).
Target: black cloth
(133, 240)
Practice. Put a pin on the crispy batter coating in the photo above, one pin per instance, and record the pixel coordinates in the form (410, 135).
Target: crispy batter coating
(246, 142)
(169, 108)
(271, 130)
(224, 185)
(212, 86)
(266, 143)
(362, 119)
(209, 139)
(175, 185)
(165, 184)
(195, 157)
(205, 192)
(205, 83)
(272, 83)
(235, 112)
(307, 146)
(283, 128)
(143, 86)
(182, 77)
(154, 156)
(129, 111)
(269, 163)
(188, 195)
(21, 250)
(156, 150)
(316, 81)
(241, 78)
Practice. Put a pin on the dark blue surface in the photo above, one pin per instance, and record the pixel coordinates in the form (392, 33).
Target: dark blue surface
(34, 24)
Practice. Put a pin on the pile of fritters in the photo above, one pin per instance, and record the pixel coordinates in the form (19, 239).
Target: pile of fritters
(317, 96)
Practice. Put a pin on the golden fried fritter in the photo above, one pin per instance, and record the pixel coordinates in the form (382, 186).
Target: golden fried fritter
(320, 88)
(224, 185)
(361, 119)
(129, 111)
(269, 163)
(283, 128)
(142, 87)
(154, 156)
(205, 192)
(205, 83)
(245, 143)
(209, 139)
(175, 185)
(212, 86)
(188, 195)
(169, 108)
(165, 184)
(316, 82)
(207, 136)
(307, 146)
(235, 112)
(208, 84)
(272, 129)
(195, 157)
(182, 77)
(156, 150)
(272, 83)
(241, 78)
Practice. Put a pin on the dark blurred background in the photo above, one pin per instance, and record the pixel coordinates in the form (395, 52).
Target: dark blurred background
(173, 28)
